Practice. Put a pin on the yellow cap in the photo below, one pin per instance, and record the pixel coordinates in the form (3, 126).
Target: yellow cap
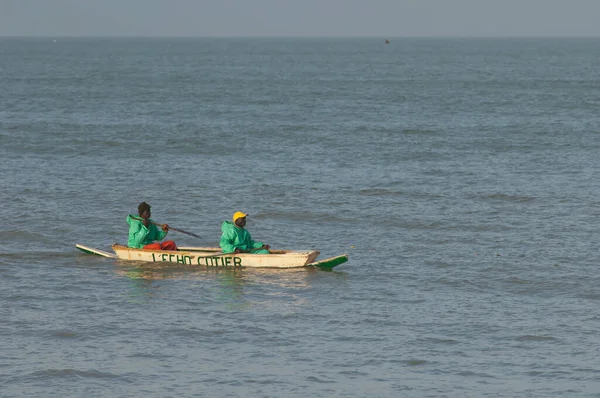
(238, 214)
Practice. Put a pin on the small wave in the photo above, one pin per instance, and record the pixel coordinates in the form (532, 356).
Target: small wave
(200, 147)
(378, 192)
(64, 334)
(382, 192)
(304, 216)
(415, 301)
(315, 379)
(266, 381)
(76, 147)
(442, 341)
(415, 362)
(18, 235)
(69, 373)
(35, 254)
(517, 281)
(352, 373)
(98, 143)
(439, 172)
(419, 225)
(590, 370)
(469, 373)
(549, 374)
(419, 132)
(152, 355)
(509, 198)
(456, 282)
(529, 337)
(590, 296)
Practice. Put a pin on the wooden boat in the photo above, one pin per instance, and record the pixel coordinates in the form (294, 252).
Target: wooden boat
(214, 257)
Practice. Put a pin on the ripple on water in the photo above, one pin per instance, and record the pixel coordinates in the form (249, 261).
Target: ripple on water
(529, 337)
(48, 375)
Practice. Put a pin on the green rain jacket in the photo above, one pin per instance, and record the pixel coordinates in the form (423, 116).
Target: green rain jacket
(140, 236)
(234, 237)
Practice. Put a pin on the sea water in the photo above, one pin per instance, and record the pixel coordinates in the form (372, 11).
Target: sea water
(460, 175)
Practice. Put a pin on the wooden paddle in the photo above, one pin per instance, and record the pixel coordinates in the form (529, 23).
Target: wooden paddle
(174, 229)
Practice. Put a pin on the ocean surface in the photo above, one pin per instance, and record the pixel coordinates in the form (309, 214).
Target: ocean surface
(460, 175)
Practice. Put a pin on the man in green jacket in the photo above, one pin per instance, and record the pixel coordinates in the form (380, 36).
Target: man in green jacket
(143, 231)
(235, 239)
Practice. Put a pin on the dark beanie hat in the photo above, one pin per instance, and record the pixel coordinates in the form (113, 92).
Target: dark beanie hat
(143, 207)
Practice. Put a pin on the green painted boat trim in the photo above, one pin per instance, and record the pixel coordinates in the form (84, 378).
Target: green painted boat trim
(329, 263)
(97, 252)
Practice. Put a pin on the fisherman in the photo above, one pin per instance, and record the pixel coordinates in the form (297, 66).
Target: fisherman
(235, 238)
(143, 233)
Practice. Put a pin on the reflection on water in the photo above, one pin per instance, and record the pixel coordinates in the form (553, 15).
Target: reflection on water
(141, 289)
(239, 276)
(227, 286)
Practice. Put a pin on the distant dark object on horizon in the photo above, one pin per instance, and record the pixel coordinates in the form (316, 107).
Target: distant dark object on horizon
(387, 41)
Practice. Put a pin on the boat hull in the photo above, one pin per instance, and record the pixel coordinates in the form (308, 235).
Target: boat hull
(211, 257)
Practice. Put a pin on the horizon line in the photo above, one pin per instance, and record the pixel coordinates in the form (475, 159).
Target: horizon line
(304, 37)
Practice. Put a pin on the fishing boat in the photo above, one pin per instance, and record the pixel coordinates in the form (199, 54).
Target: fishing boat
(214, 257)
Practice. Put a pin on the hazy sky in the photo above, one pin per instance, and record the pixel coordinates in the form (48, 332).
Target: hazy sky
(384, 18)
